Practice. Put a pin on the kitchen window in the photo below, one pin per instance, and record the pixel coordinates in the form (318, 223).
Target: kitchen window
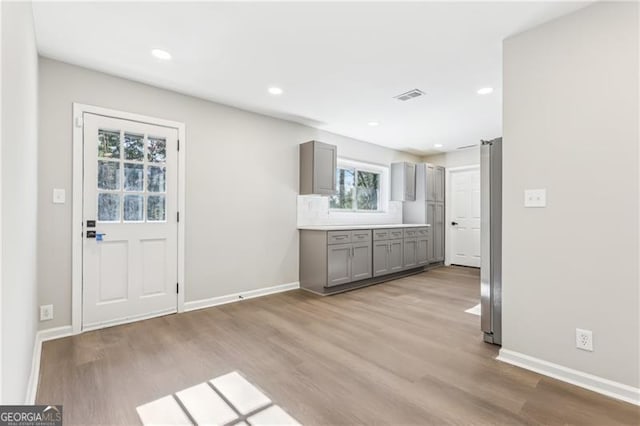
(359, 188)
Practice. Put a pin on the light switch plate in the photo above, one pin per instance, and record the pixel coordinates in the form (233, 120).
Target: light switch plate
(535, 198)
(59, 196)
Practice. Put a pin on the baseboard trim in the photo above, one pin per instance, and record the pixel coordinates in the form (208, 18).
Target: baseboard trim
(237, 297)
(575, 377)
(41, 336)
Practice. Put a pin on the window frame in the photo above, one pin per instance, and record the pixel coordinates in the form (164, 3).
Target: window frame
(383, 199)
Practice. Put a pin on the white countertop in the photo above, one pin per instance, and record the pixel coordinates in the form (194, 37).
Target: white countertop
(343, 227)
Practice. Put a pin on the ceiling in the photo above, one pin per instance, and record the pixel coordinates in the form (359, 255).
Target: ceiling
(339, 64)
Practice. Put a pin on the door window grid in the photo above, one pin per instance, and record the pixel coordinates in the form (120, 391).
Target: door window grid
(131, 175)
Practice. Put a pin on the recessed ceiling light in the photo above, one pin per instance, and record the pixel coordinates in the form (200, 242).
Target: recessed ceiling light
(275, 90)
(485, 91)
(161, 54)
(438, 145)
(373, 123)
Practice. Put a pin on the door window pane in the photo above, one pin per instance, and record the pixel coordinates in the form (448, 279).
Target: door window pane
(156, 179)
(108, 144)
(156, 208)
(133, 177)
(133, 207)
(345, 183)
(109, 207)
(156, 149)
(133, 147)
(108, 175)
(368, 190)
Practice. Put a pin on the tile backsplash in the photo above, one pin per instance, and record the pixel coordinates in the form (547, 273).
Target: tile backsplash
(314, 210)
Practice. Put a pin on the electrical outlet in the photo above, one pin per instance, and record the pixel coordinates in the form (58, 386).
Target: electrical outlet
(46, 312)
(535, 198)
(584, 339)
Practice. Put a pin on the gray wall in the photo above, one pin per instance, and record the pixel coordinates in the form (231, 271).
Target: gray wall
(463, 157)
(19, 198)
(571, 126)
(242, 184)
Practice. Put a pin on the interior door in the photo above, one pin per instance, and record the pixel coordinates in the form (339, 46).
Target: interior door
(465, 218)
(130, 237)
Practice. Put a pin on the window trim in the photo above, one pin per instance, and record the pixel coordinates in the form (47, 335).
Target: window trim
(383, 171)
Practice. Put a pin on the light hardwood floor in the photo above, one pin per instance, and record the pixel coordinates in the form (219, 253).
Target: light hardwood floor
(402, 352)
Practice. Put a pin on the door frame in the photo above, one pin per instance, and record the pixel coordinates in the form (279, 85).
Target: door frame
(78, 194)
(448, 210)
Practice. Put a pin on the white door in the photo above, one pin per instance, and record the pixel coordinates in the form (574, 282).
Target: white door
(464, 226)
(130, 252)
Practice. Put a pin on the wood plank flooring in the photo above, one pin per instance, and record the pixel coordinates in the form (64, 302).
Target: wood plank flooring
(402, 352)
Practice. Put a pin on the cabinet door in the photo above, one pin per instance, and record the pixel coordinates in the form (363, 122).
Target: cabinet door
(409, 182)
(361, 261)
(339, 264)
(396, 262)
(410, 254)
(422, 251)
(439, 184)
(380, 258)
(431, 216)
(438, 244)
(430, 183)
(325, 162)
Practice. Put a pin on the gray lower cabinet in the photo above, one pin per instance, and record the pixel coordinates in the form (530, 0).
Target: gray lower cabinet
(388, 257)
(336, 258)
(422, 251)
(361, 261)
(380, 258)
(339, 264)
(349, 256)
(410, 256)
(396, 253)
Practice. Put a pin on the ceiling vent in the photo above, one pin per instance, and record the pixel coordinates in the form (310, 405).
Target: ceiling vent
(406, 96)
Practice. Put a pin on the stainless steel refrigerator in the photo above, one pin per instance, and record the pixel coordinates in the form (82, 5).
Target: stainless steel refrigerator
(491, 240)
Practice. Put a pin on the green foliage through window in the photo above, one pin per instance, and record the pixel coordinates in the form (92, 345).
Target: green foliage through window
(356, 190)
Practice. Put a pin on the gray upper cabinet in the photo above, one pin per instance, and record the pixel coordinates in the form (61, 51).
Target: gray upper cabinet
(318, 164)
(403, 181)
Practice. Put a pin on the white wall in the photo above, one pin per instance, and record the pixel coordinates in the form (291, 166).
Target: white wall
(242, 184)
(571, 126)
(459, 158)
(19, 198)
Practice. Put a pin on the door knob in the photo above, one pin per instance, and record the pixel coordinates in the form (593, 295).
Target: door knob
(454, 223)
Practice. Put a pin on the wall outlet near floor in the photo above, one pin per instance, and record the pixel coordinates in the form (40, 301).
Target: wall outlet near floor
(584, 339)
(46, 312)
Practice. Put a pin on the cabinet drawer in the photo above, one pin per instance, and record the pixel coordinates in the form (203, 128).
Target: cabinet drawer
(396, 233)
(339, 237)
(423, 232)
(381, 234)
(410, 232)
(361, 236)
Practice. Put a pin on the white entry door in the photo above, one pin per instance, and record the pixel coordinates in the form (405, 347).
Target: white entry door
(130, 239)
(464, 225)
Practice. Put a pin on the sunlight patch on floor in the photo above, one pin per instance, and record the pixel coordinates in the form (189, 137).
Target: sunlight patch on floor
(475, 310)
(226, 400)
